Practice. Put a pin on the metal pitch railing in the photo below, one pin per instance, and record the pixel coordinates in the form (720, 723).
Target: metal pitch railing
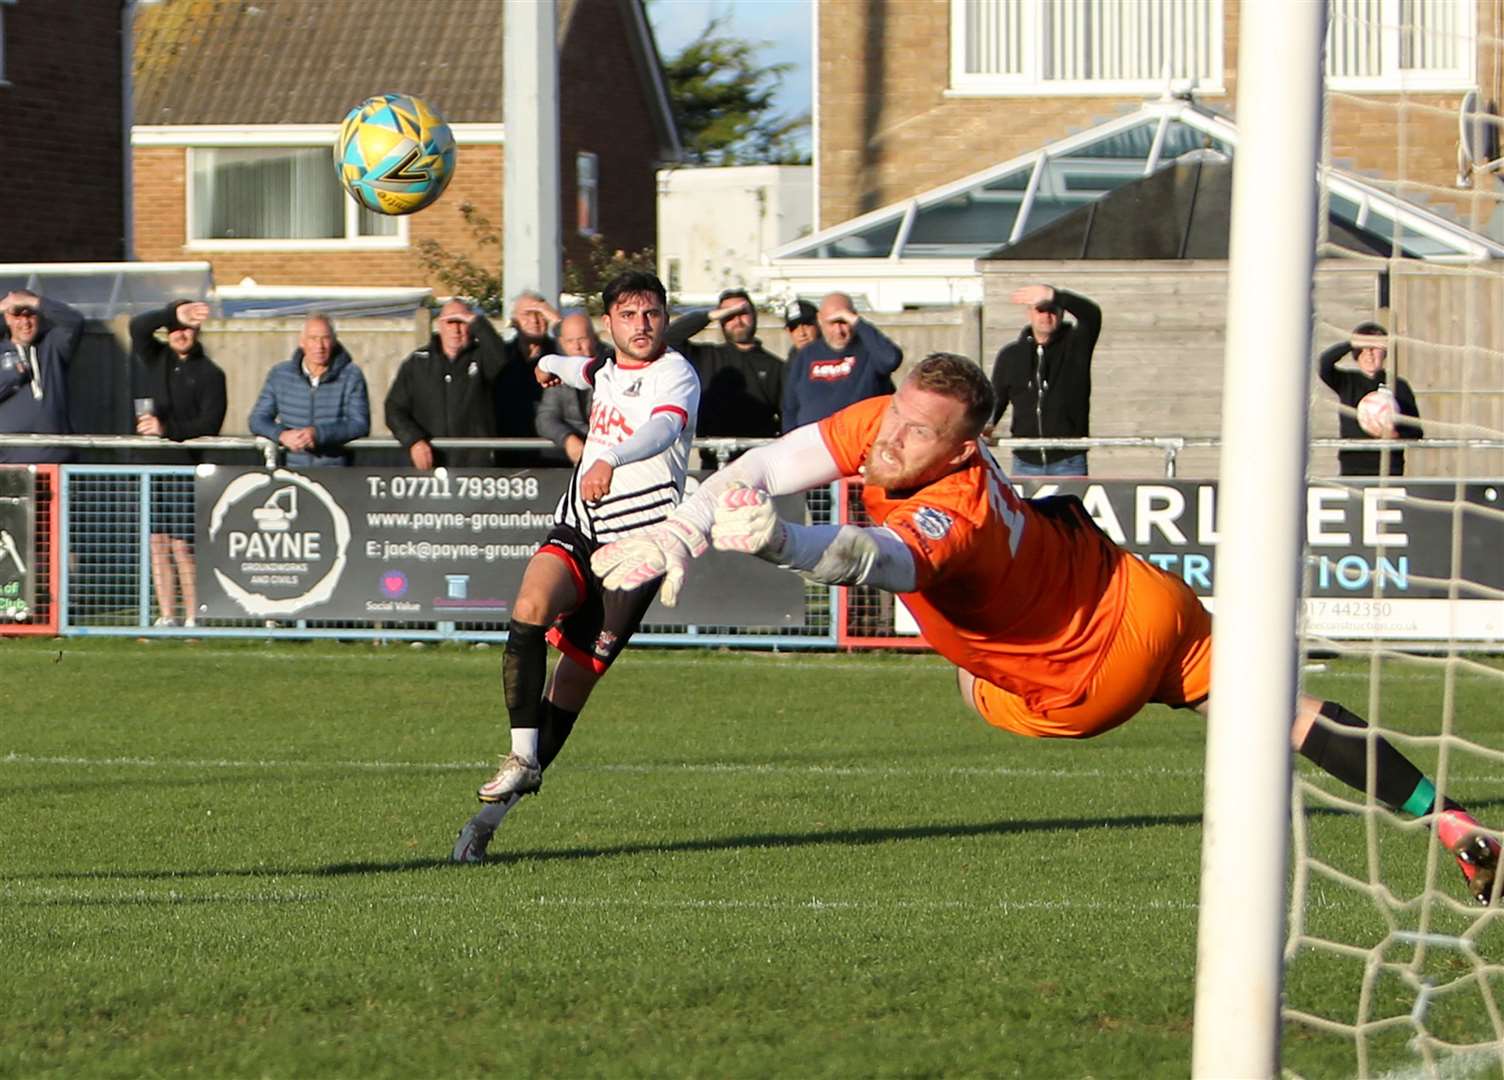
(99, 576)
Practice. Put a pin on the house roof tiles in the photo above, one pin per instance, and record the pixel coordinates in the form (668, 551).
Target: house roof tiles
(296, 62)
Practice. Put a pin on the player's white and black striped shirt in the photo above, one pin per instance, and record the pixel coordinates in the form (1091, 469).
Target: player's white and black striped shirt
(624, 399)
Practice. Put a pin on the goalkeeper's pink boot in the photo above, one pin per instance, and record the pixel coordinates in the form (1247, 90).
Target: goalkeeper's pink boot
(1476, 850)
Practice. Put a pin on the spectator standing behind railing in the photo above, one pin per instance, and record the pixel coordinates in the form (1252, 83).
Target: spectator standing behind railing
(850, 362)
(1045, 374)
(517, 390)
(40, 340)
(446, 389)
(316, 402)
(563, 415)
(802, 320)
(1369, 348)
(741, 383)
(180, 394)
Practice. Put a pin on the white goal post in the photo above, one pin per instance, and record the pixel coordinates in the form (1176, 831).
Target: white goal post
(1240, 937)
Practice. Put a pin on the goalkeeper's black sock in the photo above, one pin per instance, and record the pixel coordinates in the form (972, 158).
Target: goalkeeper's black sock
(524, 669)
(1343, 752)
(557, 724)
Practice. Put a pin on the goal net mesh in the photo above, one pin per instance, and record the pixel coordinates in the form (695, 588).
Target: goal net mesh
(1392, 969)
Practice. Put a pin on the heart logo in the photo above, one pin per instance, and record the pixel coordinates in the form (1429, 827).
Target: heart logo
(394, 583)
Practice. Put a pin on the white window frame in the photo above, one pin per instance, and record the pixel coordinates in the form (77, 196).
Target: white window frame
(4, 82)
(208, 136)
(351, 241)
(593, 186)
(1029, 84)
(1395, 80)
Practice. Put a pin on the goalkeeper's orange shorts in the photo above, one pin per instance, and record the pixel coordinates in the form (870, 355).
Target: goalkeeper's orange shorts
(1162, 652)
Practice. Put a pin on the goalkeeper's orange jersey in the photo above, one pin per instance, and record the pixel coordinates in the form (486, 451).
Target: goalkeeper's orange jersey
(1024, 595)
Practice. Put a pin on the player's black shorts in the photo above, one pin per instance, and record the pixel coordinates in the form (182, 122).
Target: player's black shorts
(593, 634)
(172, 506)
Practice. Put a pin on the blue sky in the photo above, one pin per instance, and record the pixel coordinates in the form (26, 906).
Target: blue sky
(783, 24)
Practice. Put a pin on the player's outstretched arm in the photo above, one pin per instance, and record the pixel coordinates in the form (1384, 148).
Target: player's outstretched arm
(798, 461)
(746, 521)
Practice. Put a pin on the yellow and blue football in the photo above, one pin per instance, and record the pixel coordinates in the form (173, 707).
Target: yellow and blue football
(395, 154)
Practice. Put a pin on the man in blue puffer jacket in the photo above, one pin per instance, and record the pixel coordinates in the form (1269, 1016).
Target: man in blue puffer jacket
(316, 402)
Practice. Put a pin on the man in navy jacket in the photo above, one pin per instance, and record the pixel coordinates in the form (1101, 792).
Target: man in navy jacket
(41, 338)
(315, 402)
(851, 361)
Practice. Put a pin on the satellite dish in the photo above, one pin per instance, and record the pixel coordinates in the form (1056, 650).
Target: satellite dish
(1477, 138)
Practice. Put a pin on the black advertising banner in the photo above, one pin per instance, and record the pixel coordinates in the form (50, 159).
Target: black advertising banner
(399, 546)
(17, 544)
(1379, 556)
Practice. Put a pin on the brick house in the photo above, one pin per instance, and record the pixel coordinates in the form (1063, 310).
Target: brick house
(947, 131)
(63, 122)
(980, 81)
(930, 103)
(237, 106)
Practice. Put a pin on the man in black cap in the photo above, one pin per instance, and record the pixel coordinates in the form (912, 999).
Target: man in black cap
(741, 383)
(802, 320)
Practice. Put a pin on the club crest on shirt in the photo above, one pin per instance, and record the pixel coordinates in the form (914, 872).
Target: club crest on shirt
(932, 523)
(604, 643)
(634, 390)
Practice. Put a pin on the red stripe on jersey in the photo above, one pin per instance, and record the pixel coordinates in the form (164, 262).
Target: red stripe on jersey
(680, 413)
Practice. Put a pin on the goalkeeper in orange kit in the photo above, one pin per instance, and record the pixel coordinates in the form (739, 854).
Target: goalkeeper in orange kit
(1055, 630)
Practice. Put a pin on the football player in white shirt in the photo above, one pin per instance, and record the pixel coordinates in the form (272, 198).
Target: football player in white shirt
(629, 477)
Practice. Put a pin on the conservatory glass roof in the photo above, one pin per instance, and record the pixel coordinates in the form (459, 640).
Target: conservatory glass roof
(978, 214)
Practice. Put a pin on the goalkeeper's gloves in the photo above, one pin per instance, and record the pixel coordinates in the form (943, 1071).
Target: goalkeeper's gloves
(746, 521)
(664, 550)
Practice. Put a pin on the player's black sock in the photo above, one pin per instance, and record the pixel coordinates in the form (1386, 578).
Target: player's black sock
(1344, 754)
(524, 668)
(557, 724)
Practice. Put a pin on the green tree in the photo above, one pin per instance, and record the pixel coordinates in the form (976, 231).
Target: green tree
(480, 278)
(723, 102)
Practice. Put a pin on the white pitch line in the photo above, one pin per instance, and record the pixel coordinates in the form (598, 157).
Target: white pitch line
(776, 904)
(1456, 1066)
(732, 768)
(689, 657)
(698, 658)
(708, 768)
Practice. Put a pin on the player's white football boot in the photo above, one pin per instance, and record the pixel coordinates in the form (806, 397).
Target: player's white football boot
(1476, 850)
(470, 846)
(516, 776)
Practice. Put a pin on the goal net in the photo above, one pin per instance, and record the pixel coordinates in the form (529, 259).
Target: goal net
(1391, 968)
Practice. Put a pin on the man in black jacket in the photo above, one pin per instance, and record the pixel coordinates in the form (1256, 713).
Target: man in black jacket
(40, 338)
(447, 389)
(528, 340)
(1369, 347)
(179, 394)
(1046, 376)
(563, 415)
(741, 383)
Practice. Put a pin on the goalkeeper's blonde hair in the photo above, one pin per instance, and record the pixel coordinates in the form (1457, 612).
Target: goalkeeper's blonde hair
(958, 377)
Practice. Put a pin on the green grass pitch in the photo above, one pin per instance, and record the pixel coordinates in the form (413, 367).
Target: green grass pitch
(229, 859)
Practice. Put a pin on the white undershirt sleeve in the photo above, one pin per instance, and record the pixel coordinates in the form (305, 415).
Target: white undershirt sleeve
(569, 369)
(798, 461)
(847, 555)
(657, 435)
